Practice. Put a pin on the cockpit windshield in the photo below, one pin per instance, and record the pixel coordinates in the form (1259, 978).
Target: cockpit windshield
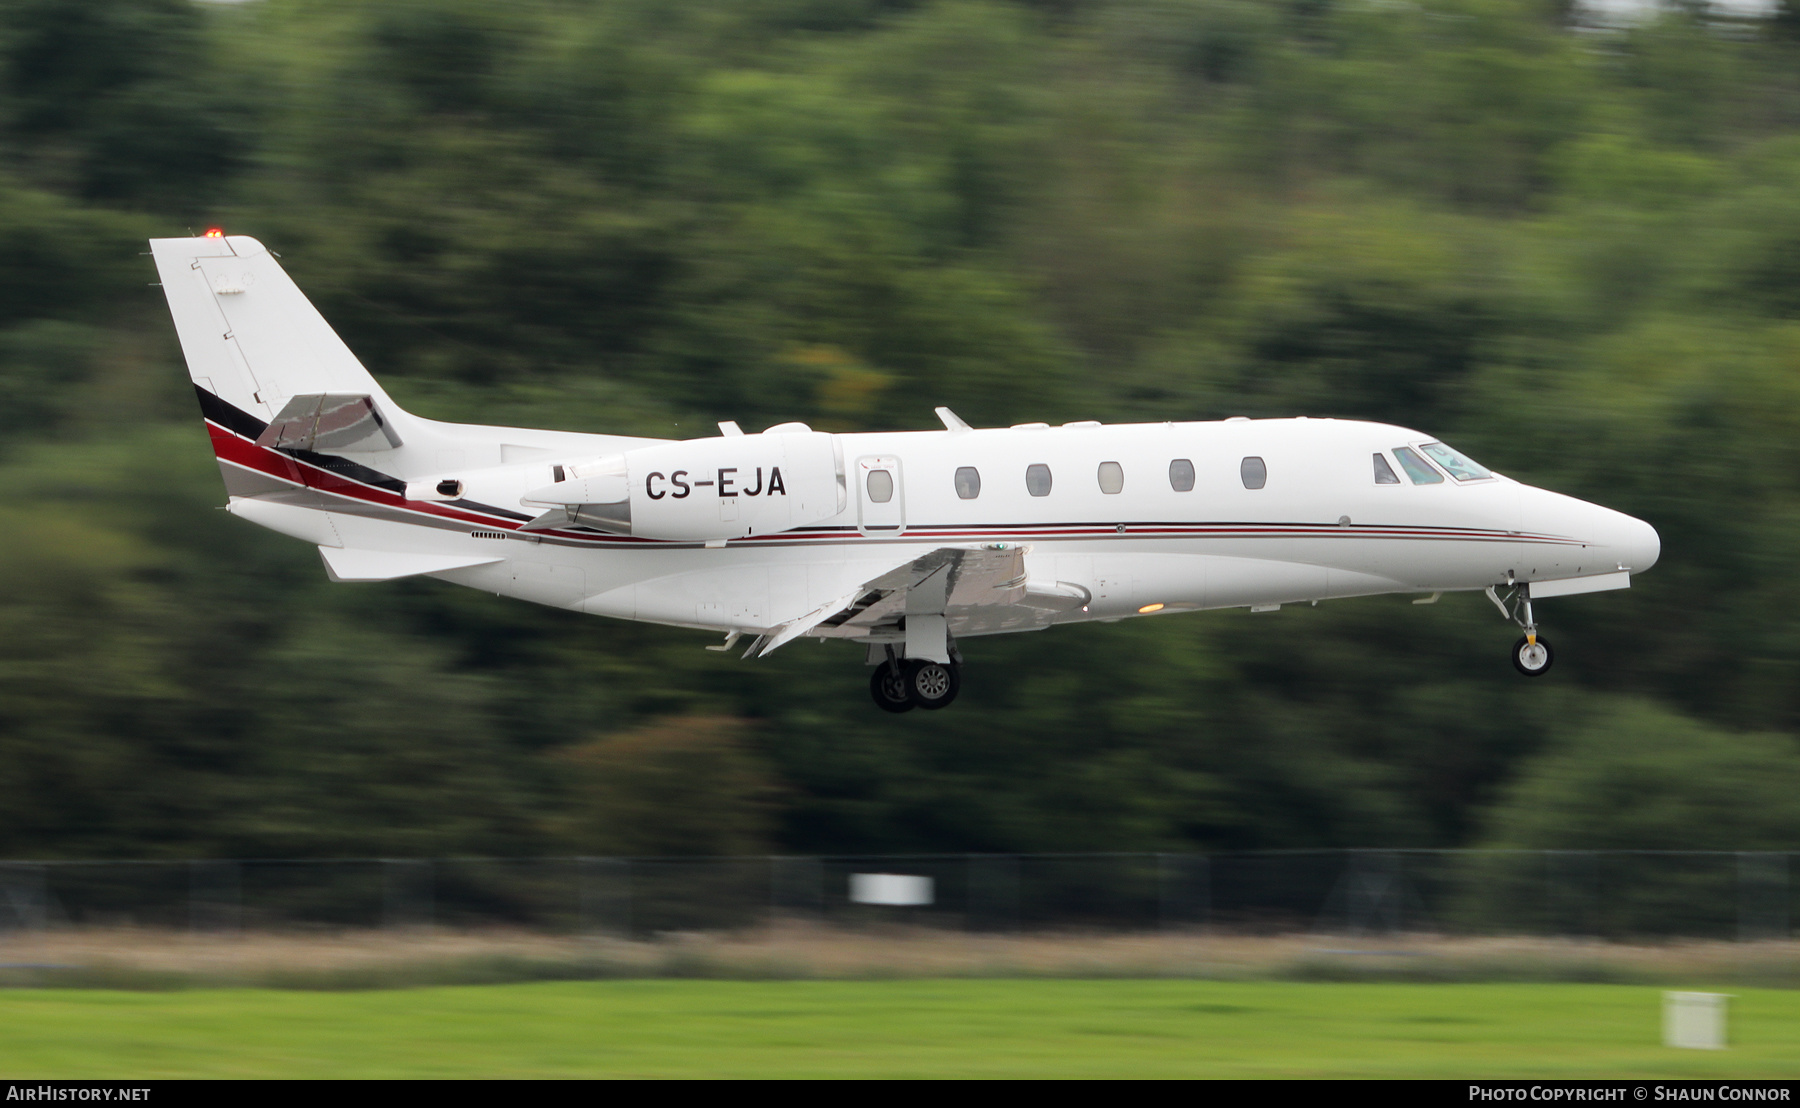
(1417, 468)
(1456, 465)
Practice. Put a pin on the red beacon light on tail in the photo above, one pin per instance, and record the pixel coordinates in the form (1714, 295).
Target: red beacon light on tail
(215, 232)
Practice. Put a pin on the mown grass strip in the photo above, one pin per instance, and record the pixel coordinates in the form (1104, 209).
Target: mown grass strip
(913, 1028)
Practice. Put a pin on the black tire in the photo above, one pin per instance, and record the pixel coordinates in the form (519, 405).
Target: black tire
(933, 685)
(890, 690)
(1533, 661)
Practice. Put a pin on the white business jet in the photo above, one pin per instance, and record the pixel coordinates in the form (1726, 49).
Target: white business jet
(905, 542)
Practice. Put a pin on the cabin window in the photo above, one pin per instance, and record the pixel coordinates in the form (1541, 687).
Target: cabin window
(1112, 478)
(1181, 475)
(968, 482)
(1384, 473)
(1037, 480)
(1417, 468)
(881, 486)
(1454, 463)
(1254, 473)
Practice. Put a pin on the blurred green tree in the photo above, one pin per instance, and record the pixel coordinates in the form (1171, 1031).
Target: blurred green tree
(1636, 778)
(112, 99)
(1569, 249)
(681, 786)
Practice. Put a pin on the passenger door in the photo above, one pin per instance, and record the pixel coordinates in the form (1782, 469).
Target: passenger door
(880, 497)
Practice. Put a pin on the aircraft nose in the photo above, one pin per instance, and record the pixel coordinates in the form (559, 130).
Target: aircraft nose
(1619, 539)
(1634, 543)
(1641, 545)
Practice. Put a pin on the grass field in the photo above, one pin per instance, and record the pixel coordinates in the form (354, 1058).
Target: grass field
(904, 1028)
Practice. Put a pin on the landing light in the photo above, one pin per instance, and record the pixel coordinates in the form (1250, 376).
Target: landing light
(1148, 608)
(215, 232)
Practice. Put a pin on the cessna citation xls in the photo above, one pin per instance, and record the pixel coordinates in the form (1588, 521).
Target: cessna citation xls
(904, 542)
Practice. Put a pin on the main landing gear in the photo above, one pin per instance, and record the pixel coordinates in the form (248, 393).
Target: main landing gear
(1531, 655)
(900, 685)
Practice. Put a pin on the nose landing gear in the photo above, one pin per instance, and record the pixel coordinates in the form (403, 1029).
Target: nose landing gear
(1531, 655)
(1532, 658)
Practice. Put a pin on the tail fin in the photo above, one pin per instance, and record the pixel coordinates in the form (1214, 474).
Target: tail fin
(250, 336)
(297, 423)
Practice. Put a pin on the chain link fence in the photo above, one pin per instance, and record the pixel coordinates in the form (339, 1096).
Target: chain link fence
(1601, 894)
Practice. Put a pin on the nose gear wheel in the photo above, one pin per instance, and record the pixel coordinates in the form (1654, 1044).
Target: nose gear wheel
(1532, 658)
(1531, 655)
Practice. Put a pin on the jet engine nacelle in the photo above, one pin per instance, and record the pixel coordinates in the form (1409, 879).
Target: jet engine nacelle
(702, 490)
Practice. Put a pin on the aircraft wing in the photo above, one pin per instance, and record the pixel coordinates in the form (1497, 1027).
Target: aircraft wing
(965, 590)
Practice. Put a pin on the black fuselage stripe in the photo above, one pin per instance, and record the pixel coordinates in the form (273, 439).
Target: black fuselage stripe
(229, 416)
(242, 423)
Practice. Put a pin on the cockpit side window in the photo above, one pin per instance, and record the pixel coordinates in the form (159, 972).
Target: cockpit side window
(1384, 473)
(1417, 468)
(1455, 464)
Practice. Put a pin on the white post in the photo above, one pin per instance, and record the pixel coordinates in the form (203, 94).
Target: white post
(1695, 1021)
(899, 889)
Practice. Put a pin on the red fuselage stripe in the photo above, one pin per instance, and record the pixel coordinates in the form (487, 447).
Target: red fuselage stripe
(243, 452)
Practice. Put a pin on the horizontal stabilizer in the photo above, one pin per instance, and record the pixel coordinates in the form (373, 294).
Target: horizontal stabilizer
(329, 424)
(385, 565)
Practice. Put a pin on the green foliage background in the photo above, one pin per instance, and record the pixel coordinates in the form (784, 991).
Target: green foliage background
(1573, 250)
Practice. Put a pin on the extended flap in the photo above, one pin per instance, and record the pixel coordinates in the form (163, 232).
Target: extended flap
(948, 580)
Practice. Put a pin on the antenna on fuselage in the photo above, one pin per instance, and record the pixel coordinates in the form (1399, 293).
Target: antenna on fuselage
(952, 421)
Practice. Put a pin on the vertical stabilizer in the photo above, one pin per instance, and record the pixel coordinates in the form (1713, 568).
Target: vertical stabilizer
(251, 338)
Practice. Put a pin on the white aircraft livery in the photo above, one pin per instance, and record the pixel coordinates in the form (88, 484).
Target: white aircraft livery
(904, 542)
